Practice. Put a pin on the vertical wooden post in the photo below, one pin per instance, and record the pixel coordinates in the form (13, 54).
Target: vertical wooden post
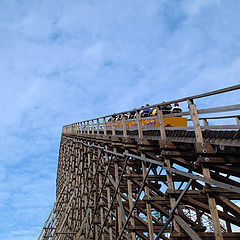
(195, 119)
(109, 199)
(82, 182)
(148, 205)
(92, 127)
(130, 201)
(101, 205)
(81, 129)
(104, 126)
(84, 127)
(161, 124)
(168, 163)
(206, 172)
(88, 130)
(97, 126)
(172, 199)
(139, 123)
(124, 126)
(113, 126)
(118, 207)
(95, 194)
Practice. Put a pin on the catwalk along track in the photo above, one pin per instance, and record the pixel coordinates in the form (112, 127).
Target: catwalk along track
(141, 177)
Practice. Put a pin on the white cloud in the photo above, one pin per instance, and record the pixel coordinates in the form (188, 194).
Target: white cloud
(195, 7)
(63, 62)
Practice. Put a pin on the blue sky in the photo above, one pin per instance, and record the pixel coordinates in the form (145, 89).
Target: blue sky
(66, 61)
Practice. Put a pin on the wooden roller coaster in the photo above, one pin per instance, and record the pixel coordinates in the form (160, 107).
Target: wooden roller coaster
(129, 179)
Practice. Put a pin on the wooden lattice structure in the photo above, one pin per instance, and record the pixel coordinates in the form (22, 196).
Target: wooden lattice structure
(148, 183)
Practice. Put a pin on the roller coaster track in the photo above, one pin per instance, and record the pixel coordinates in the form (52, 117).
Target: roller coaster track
(150, 183)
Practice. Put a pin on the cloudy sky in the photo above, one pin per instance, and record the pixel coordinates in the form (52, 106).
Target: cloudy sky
(66, 61)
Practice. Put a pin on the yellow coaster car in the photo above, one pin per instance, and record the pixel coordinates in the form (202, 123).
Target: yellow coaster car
(174, 122)
(150, 123)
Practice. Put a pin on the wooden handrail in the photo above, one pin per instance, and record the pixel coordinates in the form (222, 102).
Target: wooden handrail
(81, 127)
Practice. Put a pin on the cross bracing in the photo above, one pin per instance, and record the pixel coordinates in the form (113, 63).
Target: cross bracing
(139, 178)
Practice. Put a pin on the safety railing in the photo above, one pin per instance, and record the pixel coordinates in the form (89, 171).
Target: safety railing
(190, 119)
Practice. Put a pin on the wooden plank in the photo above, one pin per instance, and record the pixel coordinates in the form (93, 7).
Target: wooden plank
(161, 123)
(186, 228)
(81, 129)
(120, 215)
(92, 127)
(84, 127)
(194, 117)
(88, 128)
(173, 209)
(97, 126)
(124, 126)
(229, 204)
(228, 108)
(113, 126)
(206, 171)
(148, 205)
(82, 172)
(101, 207)
(130, 202)
(104, 125)
(139, 124)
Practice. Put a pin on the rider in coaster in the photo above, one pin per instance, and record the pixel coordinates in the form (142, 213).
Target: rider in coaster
(154, 112)
(141, 111)
(146, 112)
(176, 108)
(166, 109)
(132, 114)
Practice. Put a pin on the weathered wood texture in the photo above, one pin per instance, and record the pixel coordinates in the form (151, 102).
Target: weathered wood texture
(161, 185)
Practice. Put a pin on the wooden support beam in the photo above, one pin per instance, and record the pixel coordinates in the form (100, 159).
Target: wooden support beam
(148, 205)
(113, 126)
(104, 125)
(93, 127)
(139, 125)
(173, 209)
(161, 123)
(107, 168)
(124, 125)
(130, 201)
(206, 172)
